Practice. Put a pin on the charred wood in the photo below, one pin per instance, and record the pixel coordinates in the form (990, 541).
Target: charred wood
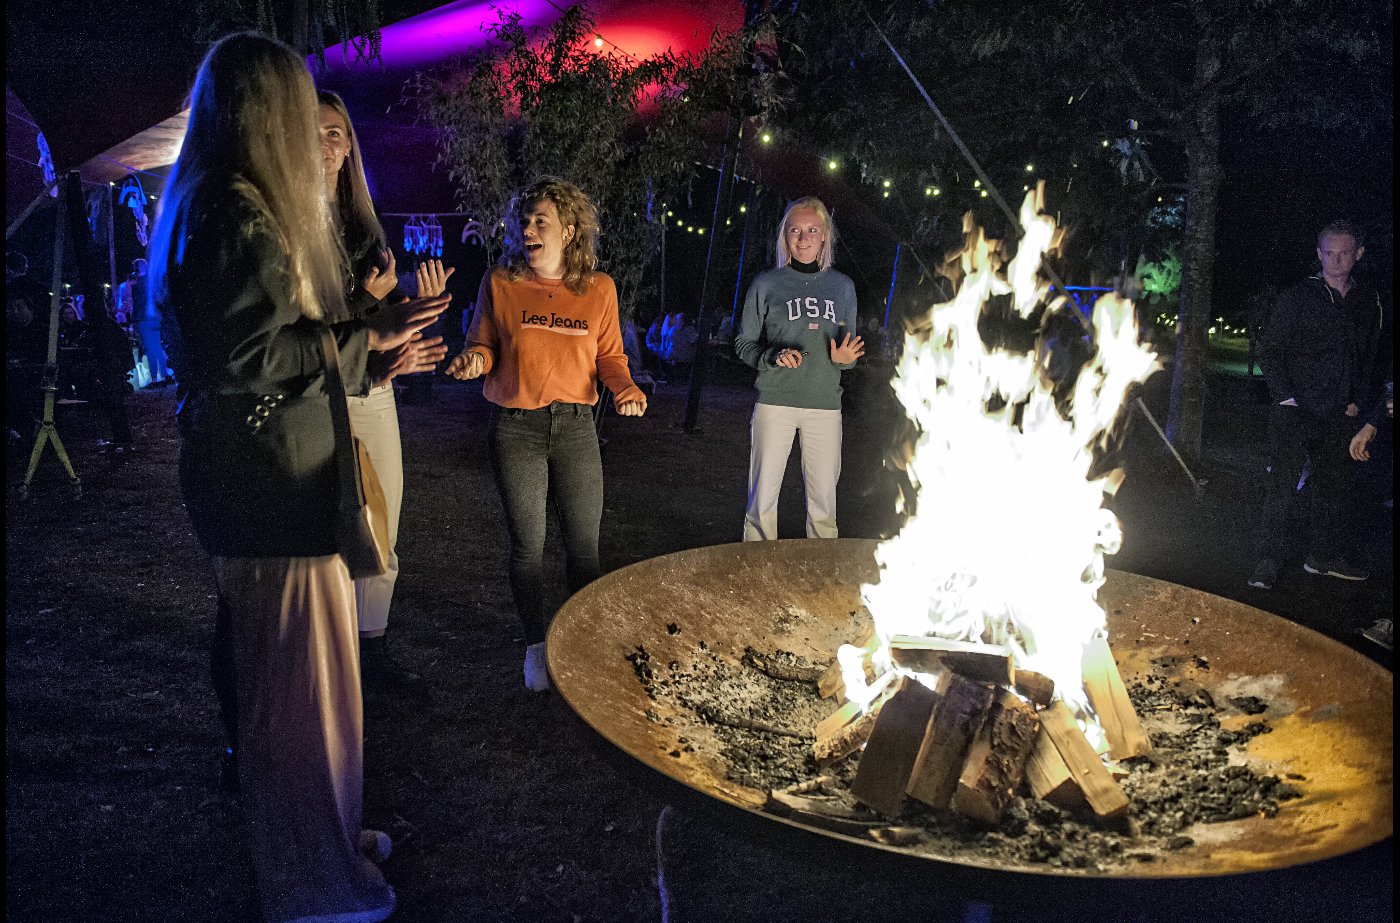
(961, 710)
(996, 760)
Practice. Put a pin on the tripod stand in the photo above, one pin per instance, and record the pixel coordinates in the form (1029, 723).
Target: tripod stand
(69, 192)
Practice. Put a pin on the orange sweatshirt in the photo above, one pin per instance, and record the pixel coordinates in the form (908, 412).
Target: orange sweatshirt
(542, 343)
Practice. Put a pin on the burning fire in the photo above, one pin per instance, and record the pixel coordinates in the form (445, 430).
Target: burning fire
(1007, 546)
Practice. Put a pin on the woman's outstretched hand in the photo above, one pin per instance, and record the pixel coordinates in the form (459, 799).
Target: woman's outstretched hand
(394, 325)
(466, 365)
(431, 278)
(419, 354)
(380, 282)
(852, 348)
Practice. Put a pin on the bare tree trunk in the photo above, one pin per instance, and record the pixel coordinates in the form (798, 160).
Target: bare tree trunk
(1201, 124)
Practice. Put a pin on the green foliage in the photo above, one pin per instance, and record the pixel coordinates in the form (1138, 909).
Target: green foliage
(1162, 277)
(627, 132)
(1082, 89)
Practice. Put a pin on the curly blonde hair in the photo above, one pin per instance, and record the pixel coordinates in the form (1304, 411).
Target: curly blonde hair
(576, 210)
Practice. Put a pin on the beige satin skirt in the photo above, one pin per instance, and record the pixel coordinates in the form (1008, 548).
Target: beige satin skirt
(301, 737)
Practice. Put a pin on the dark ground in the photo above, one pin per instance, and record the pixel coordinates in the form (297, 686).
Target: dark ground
(503, 805)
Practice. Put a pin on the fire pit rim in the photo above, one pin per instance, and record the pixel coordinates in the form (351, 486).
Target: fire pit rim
(565, 684)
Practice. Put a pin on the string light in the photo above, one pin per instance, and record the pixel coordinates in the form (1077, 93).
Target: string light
(690, 227)
(1030, 168)
(743, 208)
(832, 165)
(886, 193)
(984, 193)
(886, 184)
(700, 230)
(1105, 142)
(597, 41)
(977, 184)
(766, 138)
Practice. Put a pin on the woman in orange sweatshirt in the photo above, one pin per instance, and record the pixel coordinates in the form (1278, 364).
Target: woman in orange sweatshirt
(545, 332)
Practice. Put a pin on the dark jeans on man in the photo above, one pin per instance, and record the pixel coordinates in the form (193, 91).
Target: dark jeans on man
(1298, 439)
(539, 455)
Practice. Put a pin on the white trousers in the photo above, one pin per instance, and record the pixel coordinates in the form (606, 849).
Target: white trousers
(770, 439)
(374, 418)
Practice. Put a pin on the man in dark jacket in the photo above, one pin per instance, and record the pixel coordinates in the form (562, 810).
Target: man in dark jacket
(1317, 353)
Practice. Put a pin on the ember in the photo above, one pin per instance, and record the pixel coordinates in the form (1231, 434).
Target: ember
(1192, 774)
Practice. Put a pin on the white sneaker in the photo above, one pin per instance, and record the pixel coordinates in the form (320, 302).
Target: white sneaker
(536, 672)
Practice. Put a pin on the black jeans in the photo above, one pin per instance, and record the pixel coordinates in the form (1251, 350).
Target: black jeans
(1298, 439)
(537, 456)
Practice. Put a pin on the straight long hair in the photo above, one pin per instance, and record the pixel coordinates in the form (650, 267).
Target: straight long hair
(825, 256)
(575, 209)
(254, 141)
(354, 208)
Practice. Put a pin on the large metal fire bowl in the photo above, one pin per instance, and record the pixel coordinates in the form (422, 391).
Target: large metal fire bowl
(1331, 709)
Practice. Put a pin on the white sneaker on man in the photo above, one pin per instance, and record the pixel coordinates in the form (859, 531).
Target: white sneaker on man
(536, 671)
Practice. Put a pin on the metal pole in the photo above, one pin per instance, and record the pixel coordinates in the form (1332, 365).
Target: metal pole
(967, 154)
(739, 273)
(663, 265)
(48, 432)
(894, 276)
(111, 255)
(702, 323)
(29, 209)
(996, 196)
(1199, 486)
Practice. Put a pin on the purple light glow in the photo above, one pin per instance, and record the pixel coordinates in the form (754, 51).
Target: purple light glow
(454, 29)
(637, 27)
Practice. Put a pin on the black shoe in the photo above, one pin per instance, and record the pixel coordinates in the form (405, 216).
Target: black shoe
(1341, 569)
(1265, 574)
(1382, 633)
(380, 671)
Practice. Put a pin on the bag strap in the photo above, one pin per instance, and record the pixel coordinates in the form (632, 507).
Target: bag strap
(346, 463)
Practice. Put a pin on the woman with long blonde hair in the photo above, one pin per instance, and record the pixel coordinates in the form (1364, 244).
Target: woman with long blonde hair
(244, 258)
(545, 333)
(798, 331)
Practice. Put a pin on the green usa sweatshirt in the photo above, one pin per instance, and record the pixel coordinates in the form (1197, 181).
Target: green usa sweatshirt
(788, 309)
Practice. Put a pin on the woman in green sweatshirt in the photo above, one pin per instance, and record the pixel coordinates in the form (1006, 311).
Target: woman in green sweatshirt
(796, 330)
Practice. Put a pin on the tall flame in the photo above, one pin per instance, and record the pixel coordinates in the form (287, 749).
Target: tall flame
(1008, 543)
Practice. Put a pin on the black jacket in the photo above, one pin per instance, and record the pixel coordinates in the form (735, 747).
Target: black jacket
(1318, 347)
(257, 466)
